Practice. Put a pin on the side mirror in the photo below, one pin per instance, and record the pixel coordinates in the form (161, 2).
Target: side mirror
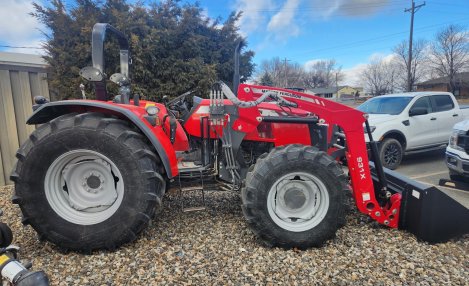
(91, 74)
(418, 111)
(120, 79)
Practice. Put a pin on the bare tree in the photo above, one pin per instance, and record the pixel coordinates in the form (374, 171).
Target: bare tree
(323, 73)
(379, 76)
(417, 66)
(282, 73)
(450, 53)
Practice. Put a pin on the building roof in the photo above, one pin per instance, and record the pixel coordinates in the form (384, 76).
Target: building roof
(460, 77)
(324, 90)
(18, 59)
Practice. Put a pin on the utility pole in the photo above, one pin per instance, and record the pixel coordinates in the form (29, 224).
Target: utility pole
(285, 60)
(336, 87)
(412, 11)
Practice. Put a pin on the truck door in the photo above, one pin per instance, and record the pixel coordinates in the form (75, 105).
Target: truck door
(446, 115)
(421, 127)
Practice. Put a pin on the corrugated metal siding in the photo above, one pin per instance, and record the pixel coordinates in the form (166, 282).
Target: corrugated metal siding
(18, 86)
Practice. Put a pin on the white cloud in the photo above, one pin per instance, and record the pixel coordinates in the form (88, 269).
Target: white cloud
(18, 28)
(310, 63)
(282, 23)
(351, 8)
(254, 15)
(352, 75)
(387, 58)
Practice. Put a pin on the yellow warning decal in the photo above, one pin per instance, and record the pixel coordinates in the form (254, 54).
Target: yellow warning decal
(4, 258)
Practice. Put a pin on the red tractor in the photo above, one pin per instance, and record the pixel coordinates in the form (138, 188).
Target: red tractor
(94, 172)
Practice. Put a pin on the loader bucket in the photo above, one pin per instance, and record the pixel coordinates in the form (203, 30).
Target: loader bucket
(431, 214)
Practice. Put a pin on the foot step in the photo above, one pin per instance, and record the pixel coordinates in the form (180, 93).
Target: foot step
(197, 188)
(190, 189)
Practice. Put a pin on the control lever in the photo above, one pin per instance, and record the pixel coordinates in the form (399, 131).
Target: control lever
(82, 88)
(172, 129)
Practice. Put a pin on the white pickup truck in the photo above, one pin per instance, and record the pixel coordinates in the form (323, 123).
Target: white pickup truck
(457, 152)
(411, 122)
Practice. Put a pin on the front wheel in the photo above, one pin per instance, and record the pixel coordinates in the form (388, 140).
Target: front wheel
(391, 153)
(455, 176)
(85, 182)
(295, 197)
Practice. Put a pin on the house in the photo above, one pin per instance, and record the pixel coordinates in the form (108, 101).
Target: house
(341, 92)
(442, 84)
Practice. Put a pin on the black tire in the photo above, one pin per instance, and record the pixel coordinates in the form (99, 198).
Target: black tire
(6, 236)
(391, 153)
(143, 184)
(290, 160)
(454, 176)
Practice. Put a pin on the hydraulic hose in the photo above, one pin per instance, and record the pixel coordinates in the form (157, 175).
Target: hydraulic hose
(11, 269)
(246, 104)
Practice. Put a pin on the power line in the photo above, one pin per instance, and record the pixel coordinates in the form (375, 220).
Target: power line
(379, 38)
(17, 47)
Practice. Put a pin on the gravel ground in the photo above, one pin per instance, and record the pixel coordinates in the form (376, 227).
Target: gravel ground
(216, 248)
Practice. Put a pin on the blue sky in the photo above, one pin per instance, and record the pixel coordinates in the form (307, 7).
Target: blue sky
(349, 31)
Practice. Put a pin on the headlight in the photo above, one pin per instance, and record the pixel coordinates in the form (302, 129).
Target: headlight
(372, 129)
(453, 140)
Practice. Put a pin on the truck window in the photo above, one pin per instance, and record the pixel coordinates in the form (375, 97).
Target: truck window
(385, 105)
(423, 102)
(442, 102)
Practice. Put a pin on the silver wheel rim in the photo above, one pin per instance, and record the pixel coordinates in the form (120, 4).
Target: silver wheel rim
(298, 201)
(84, 187)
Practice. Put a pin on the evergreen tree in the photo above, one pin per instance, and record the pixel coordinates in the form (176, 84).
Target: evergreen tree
(266, 80)
(174, 48)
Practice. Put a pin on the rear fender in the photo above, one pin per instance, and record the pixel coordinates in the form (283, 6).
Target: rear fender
(156, 136)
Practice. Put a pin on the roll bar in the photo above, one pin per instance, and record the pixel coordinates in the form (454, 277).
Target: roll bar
(97, 52)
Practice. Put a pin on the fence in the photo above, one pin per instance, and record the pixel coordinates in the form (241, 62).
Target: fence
(21, 78)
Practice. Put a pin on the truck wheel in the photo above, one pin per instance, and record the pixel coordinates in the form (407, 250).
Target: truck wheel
(454, 176)
(85, 182)
(390, 153)
(295, 197)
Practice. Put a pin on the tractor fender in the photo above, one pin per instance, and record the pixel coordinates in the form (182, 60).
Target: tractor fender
(51, 110)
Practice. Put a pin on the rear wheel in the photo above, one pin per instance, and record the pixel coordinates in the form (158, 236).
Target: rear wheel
(295, 197)
(391, 153)
(87, 182)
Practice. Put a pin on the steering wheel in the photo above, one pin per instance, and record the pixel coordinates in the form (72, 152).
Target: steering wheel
(180, 104)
